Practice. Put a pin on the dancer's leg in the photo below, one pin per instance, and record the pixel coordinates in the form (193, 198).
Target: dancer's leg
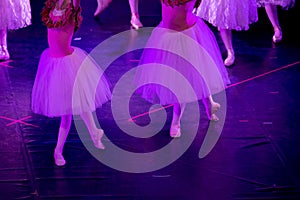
(271, 11)
(4, 54)
(135, 17)
(96, 134)
(211, 108)
(226, 36)
(63, 132)
(178, 110)
(101, 5)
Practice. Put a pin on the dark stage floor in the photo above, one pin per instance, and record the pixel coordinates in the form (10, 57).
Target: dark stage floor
(257, 154)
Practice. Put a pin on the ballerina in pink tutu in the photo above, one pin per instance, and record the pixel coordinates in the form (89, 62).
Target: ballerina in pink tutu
(181, 49)
(228, 15)
(67, 77)
(271, 10)
(15, 14)
(134, 9)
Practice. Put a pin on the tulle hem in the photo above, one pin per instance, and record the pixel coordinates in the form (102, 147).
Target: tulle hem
(67, 85)
(285, 4)
(15, 14)
(181, 66)
(232, 15)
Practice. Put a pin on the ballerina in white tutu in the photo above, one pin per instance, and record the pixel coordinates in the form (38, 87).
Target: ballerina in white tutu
(67, 77)
(180, 50)
(15, 14)
(271, 10)
(228, 15)
(134, 8)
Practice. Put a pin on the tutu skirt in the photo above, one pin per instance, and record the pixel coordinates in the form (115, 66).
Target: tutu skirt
(180, 66)
(15, 14)
(67, 85)
(285, 4)
(229, 14)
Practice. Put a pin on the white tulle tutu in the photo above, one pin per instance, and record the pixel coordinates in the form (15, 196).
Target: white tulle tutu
(174, 61)
(229, 14)
(285, 4)
(68, 85)
(15, 14)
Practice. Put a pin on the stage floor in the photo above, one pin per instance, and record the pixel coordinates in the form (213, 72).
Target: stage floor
(257, 151)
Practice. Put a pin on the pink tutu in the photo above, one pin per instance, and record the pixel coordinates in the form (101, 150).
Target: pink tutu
(181, 66)
(67, 85)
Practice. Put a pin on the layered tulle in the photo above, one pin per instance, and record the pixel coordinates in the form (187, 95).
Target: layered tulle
(229, 14)
(285, 4)
(66, 85)
(14, 14)
(181, 66)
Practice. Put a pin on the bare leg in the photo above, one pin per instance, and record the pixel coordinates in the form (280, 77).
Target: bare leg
(135, 17)
(134, 7)
(63, 132)
(271, 11)
(102, 4)
(4, 55)
(175, 125)
(211, 108)
(226, 36)
(3, 37)
(96, 134)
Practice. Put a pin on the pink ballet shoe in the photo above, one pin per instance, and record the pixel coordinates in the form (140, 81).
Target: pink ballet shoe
(277, 37)
(59, 159)
(211, 112)
(4, 55)
(175, 131)
(97, 139)
(230, 59)
(214, 118)
(135, 22)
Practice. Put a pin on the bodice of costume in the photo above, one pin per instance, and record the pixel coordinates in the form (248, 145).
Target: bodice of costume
(173, 3)
(56, 16)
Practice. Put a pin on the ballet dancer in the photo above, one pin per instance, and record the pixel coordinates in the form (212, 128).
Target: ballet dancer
(15, 14)
(228, 15)
(67, 76)
(184, 33)
(134, 8)
(271, 10)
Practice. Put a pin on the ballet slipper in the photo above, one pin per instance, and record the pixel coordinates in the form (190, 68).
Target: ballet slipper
(214, 107)
(135, 22)
(214, 118)
(175, 131)
(277, 37)
(59, 158)
(96, 137)
(4, 55)
(230, 59)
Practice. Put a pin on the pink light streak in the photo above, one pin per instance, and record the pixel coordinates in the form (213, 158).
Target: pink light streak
(134, 60)
(21, 121)
(232, 85)
(6, 64)
(147, 113)
(263, 74)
